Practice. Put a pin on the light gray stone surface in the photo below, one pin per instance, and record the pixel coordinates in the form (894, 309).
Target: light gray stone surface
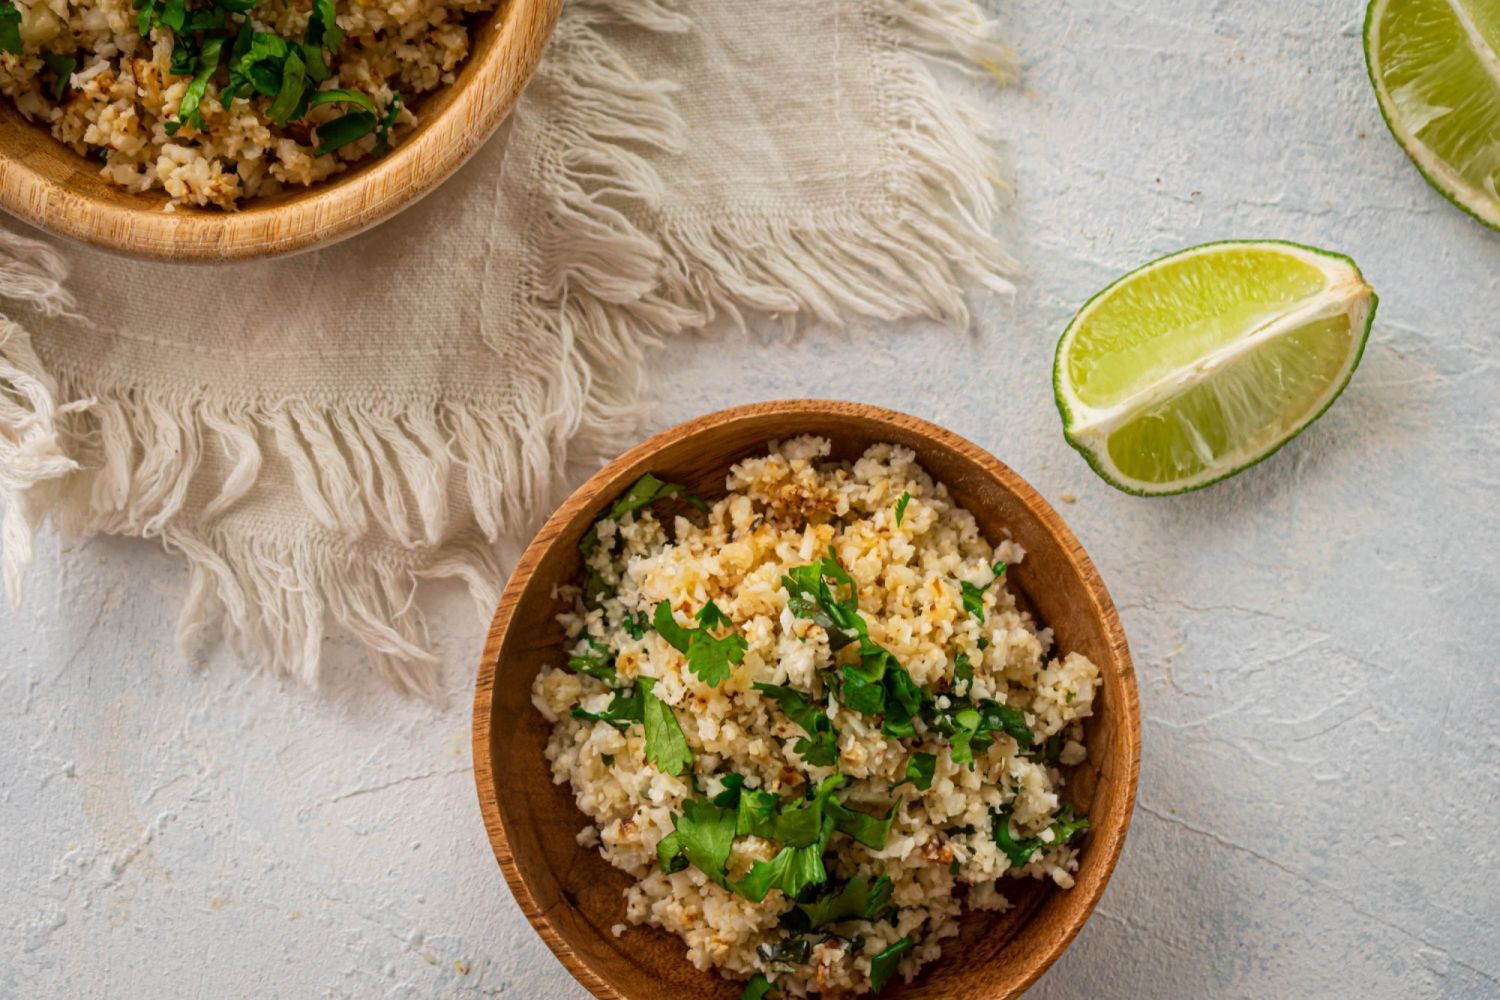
(1315, 640)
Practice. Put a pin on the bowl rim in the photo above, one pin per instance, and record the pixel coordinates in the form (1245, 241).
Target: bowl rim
(587, 494)
(332, 210)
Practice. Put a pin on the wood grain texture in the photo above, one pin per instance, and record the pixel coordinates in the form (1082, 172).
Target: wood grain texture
(50, 186)
(572, 896)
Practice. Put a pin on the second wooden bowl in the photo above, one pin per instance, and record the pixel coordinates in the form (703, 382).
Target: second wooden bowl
(48, 185)
(572, 896)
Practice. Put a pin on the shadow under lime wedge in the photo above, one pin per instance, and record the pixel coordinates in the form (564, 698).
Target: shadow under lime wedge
(1435, 65)
(1204, 362)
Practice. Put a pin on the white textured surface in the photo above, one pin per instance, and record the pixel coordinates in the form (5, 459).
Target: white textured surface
(1316, 641)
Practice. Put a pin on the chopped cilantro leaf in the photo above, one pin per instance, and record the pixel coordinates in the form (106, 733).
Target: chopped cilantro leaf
(795, 950)
(636, 624)
(710, 658)
(901, 507)
(626, 708)
(595, 590)
(820, 747)
(734, 785)
(883, 966)
(801, 825)
(919, 770)
(758, 987)
(963, 674)
(757, 808)
(973, 597)
(792, 870)
(702, 835)
(646, 491)
(679, 638)
(857, 899)
(608, 758)
(666, 746)
(598, 662)
(971, 727)
(1065, 827)
(872, 831)
(1018, 851)
(877, 684)
(188, 108)
(62, 68)
(10, 28)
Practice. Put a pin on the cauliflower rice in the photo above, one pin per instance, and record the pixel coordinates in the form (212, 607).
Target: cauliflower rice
(910, 561)
(86, 70)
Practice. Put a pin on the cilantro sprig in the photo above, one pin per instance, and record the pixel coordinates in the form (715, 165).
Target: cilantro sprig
(920, 768)
(973, 597)
(883, 966)
(827, 595)
(758, 987)
(598, 661)
(901, 507)
(643, 492)
(10, 28)
(1065, 827)
(802, 828)
(972, 727)
(666, 745)
(711, 658)
(820, 747)
(856, 899)
(62, 67)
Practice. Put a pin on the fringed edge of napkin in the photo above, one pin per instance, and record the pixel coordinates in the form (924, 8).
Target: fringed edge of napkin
(624, 279)
(911, 255)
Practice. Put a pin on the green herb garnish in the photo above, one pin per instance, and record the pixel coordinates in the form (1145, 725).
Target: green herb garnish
(872, 831)
(10, 28)
(901, 507)
(795, 950)
(666, 746)
(820, 747)
(188, 107)
(973, 597)
(883, 965)
(62, 68)
(963, 673)
(645, 491)
(628, 707)
(323, 31)
(711, 659)
(598, 662)
(857, 899)
(1065, 827)
(608, 758)
(758, 987)
(919, 770)
(792, 870)
(636, 625)
(877, 684)
(349, 127)
(702, 835)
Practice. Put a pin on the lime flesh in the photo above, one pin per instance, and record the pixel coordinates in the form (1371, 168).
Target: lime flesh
(1436, 72)
(1201, 364)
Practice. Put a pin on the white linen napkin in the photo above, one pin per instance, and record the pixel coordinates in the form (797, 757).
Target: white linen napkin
(316, 435)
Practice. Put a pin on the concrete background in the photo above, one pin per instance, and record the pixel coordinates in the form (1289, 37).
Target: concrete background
(1316, 640)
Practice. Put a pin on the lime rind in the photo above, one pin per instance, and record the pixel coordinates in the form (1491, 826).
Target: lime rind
(1103, 469)
(1409, 143)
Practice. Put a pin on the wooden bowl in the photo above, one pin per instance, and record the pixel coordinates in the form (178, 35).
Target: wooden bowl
(572, 896)
(48, 185)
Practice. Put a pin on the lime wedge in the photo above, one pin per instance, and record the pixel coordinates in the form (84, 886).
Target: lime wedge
(1204, 362)
(1436, 72)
